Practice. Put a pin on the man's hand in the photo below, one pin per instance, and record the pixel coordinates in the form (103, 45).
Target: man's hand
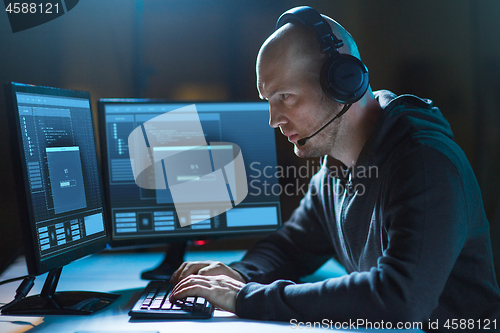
(205, 268)
(220, 290)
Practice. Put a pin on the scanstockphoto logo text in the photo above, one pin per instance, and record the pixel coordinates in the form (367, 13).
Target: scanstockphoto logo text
(31, 13)
(264, 179)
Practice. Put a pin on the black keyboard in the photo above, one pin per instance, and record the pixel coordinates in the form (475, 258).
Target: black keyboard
(154, 304)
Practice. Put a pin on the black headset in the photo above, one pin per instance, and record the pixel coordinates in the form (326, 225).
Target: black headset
(343, 77)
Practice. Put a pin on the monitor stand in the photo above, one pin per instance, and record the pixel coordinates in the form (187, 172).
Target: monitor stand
(174, 257)
(60, 303)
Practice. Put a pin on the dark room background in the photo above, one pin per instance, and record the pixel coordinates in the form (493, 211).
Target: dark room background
(444, 50)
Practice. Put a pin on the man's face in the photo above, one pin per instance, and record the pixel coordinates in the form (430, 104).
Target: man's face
(297, 104)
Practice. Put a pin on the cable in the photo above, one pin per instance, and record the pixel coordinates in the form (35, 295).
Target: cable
(22, 290)
(14, 279)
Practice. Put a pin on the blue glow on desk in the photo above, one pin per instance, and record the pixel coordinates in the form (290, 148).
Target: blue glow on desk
(120, 272)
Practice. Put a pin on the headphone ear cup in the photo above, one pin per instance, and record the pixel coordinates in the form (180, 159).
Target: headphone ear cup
(344, 78)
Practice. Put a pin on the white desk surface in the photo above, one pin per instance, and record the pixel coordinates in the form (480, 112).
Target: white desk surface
(120, 273)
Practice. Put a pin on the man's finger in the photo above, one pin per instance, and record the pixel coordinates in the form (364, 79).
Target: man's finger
(211, 269)
(194, 280)
(186, 269)
(192, 268)
(190, 290)
(175, 275)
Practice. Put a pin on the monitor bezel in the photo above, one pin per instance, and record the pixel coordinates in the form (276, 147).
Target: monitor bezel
(35, 265)
(135, 242)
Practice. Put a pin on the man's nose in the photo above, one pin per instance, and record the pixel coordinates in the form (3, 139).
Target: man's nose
(276, 116)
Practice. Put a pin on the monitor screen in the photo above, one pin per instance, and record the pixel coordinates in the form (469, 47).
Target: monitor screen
(58, 176)
(142, 213)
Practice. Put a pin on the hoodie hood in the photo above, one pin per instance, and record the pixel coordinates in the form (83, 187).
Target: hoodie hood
(421, 112)
(402, 116)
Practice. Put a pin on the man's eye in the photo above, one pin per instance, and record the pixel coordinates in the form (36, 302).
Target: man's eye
(284, 96)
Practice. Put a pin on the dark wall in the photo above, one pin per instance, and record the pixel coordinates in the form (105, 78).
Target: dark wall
(445, 50)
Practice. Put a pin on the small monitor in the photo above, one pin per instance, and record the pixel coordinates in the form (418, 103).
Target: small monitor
(59, 190)
(144, 215)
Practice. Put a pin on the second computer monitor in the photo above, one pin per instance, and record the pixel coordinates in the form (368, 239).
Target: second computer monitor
(144, 215)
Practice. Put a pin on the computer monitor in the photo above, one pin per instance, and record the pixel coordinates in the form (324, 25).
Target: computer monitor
(145, 216)
(59, 191)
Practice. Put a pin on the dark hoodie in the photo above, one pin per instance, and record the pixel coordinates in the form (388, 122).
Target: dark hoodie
(407, 222)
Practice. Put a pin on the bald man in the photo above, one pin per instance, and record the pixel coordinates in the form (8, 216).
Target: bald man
(413, 236)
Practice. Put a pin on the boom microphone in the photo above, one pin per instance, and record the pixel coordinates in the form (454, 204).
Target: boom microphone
(303, 141)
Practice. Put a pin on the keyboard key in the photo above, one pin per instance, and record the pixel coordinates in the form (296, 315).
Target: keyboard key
(166, 305)
(156, 304)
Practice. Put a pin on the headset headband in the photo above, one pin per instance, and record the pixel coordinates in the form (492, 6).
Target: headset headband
(310, 18)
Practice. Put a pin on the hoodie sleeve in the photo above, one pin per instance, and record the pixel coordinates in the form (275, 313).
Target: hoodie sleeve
(297, 249)
(426, 220)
